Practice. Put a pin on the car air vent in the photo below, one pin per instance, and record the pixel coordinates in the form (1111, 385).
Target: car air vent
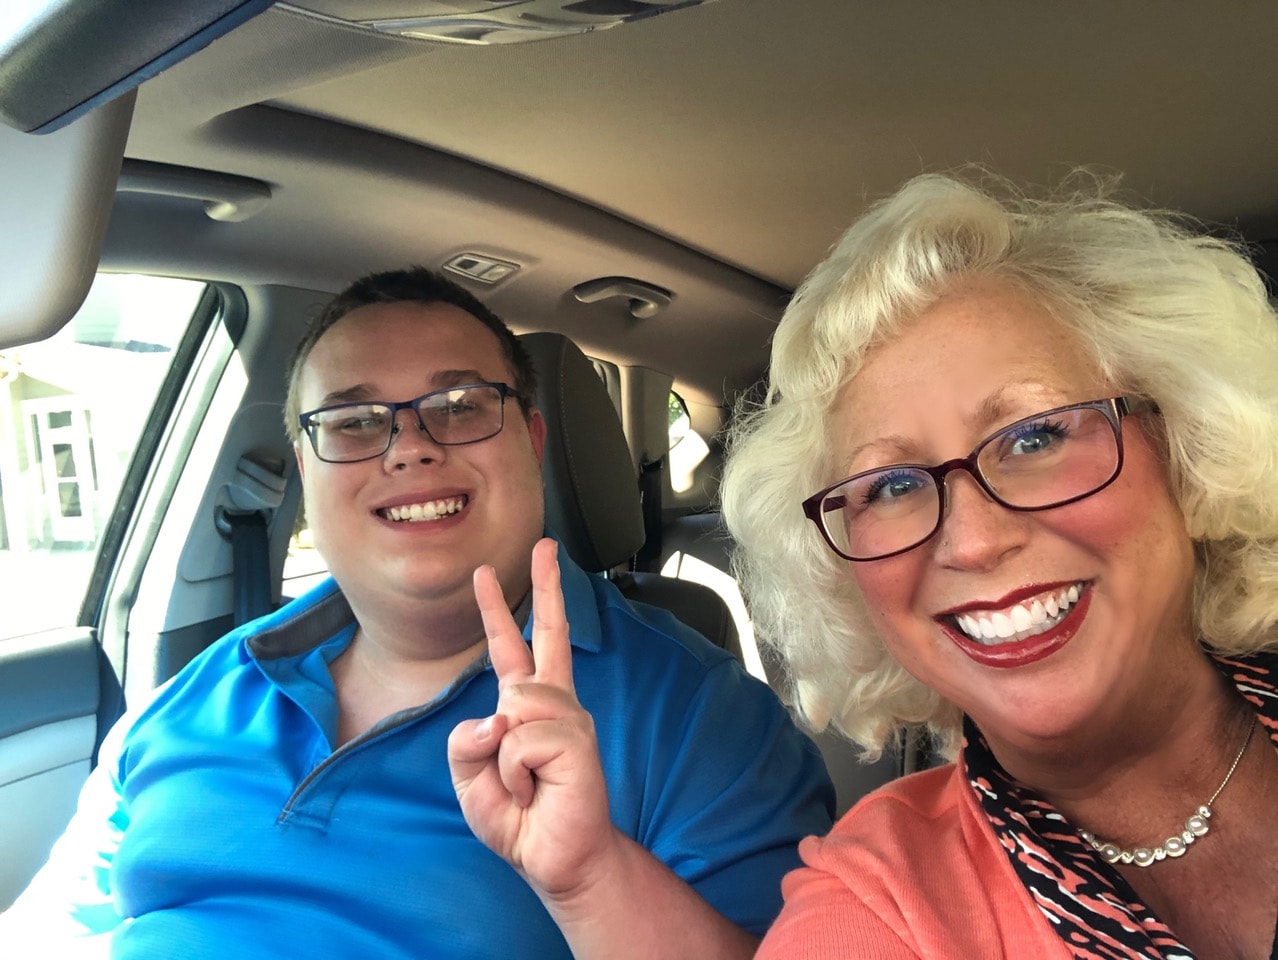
(477, 266)
(489, 21)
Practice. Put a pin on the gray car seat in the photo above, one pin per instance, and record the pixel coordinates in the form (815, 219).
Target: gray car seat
(592, 489)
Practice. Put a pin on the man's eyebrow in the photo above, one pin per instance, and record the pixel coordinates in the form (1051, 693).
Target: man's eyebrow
(439, 380)
(453, 378)
(361, 391)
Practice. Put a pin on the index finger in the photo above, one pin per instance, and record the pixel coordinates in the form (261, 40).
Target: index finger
(552, 653)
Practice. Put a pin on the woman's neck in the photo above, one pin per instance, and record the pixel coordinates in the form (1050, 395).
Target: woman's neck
(1136, 775)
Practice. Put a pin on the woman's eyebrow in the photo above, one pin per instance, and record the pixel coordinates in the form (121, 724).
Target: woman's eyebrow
(1020, 398)
(1006, 404)
(896, 448)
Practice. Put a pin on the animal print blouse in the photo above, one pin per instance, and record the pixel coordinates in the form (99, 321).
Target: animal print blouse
(1089, 904)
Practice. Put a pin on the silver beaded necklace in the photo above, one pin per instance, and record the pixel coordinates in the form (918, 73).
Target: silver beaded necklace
(1176, 845)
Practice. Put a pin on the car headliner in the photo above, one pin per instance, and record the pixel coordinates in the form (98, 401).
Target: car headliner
(716, 152)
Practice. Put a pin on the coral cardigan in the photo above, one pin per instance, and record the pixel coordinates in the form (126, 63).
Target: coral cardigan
(913, 870)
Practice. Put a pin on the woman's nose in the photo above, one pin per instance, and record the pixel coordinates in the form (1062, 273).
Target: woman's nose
(976, 531)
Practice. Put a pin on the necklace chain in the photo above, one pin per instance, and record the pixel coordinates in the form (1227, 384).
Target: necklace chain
(1176, 845)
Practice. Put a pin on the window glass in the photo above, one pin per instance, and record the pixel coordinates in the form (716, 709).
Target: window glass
(72, 408)
(685, 566)
(303, 566)
(687, 447)
(677, 420)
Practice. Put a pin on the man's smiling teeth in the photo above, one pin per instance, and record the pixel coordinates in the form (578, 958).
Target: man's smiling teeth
(1019, 622)
(430, 510)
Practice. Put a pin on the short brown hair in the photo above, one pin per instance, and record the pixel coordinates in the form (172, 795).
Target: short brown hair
(410, 285)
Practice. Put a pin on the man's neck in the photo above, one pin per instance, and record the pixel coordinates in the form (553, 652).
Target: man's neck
(402, 656)
(409, 631)
(373, 681)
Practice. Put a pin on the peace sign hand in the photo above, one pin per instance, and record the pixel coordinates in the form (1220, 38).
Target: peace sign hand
(528, 778)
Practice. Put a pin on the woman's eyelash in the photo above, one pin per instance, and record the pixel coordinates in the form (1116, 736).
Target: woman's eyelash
(1055, 427)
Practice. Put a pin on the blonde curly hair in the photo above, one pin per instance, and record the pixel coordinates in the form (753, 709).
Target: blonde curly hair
(1171, 315)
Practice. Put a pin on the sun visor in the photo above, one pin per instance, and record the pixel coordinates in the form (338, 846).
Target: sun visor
(61, 58)
(54, 204)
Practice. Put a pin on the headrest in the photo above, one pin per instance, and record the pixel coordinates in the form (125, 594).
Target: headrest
(592, 490)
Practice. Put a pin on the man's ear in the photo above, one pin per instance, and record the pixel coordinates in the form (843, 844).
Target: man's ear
(537, 431)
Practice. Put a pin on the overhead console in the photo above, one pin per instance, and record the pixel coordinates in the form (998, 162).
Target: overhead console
(489, 21)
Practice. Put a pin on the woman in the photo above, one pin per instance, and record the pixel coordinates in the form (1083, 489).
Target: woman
(1079, 601)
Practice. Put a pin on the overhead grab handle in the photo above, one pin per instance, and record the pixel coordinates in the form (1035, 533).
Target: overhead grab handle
(645, 298)
(227, 197)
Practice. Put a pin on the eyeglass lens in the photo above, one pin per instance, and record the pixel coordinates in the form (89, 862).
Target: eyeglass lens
(452, 417)
(1035, 463)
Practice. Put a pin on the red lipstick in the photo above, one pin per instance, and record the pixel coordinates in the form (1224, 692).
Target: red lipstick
(1019, 653)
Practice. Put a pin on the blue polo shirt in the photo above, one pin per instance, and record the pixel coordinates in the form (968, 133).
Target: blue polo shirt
(226, 825)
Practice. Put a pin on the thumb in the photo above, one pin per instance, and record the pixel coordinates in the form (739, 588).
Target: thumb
(472, 744)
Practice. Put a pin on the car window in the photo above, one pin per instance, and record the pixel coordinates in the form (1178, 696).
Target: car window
(72, 408)
(687, 447)
(303, 566)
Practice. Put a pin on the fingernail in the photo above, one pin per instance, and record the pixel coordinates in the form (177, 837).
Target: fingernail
(484, 730)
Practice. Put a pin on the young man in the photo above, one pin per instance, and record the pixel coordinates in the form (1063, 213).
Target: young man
(385, 767)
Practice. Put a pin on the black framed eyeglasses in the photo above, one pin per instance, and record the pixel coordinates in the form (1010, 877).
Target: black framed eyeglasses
(1047, 460)
(350, 432)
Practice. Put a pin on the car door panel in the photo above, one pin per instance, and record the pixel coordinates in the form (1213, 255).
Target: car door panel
(49, 697)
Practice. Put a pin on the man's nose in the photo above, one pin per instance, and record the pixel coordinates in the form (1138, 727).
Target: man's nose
(411, 442)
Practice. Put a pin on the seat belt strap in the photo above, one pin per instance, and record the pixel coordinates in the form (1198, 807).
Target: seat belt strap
(247, 504)
(251, 564)
(651, 478)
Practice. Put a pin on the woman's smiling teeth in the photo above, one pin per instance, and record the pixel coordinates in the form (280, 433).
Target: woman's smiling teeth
(430, 510)
(1021, 621)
